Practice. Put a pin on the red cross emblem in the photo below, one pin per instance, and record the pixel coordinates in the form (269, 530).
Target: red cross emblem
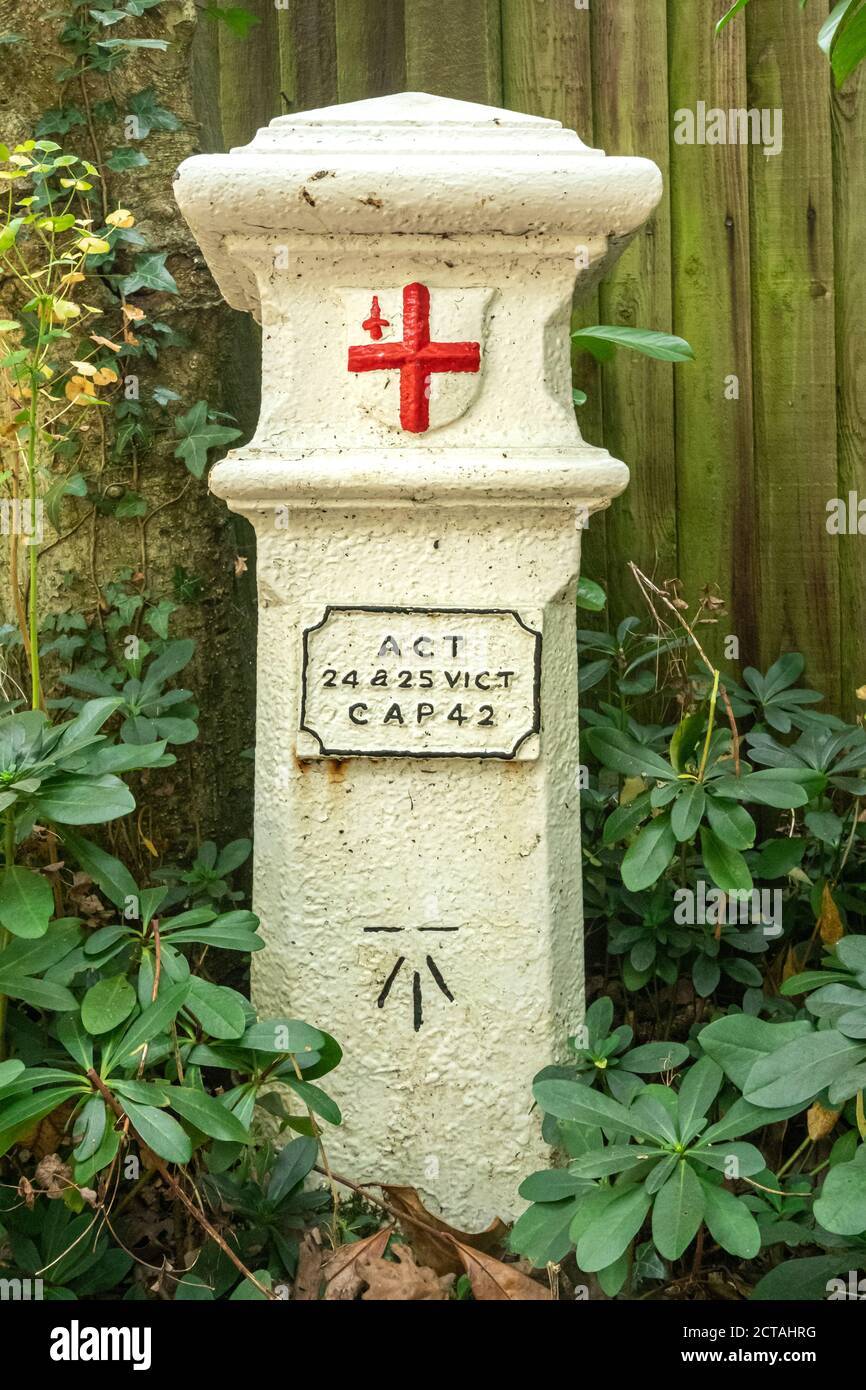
(416, 358)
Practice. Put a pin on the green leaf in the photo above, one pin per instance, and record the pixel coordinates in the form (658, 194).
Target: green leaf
(148, 273)
(238, 20)
(152, 1021)
(40, 994)
(282, 1035)
(316, 1100)
(799, 1280)
(785, 789)
(590, 595)
(107, 1004)
(293, 1163)
(617, 750)
(120, 160)
(207, 1114)
(26, 1111)
(569, 1100)
(220, 1010)
(649, 855)
(551, 1185)
(678, 1211)
(726, 867)
(542, 1233)
(730, 14)
(779, 857)
(841, 1207)
(731, 823)
(612, 1232)
(159, 1131)
(650, 1058)
(740, 1040)
(849, 45)
(688, 811)
(89, 1131)
(625, 819)
(149, 114)
(9, 1071)
(730, 1222)
(797, 1072)
(85, 800)
(26, 902)
(699, 1088)
(198, 435)
(600, 339)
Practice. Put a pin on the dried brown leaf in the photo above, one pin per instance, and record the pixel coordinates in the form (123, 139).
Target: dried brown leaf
(438, 1251)
(820, 1121)
(343, 1280)
(308, 1279)
(830, 926)
(403, 1281)
(493, 1281)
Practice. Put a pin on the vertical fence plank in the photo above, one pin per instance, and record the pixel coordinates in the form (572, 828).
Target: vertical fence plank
(249, 73)
(308, 54)
(454, 49)
(849, 196)
(547, 71)
(371, 58)
(716, 519)
(793, 344)
(629, 62)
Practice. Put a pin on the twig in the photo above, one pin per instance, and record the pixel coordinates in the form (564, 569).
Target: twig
(178, 1191)
(645, 584)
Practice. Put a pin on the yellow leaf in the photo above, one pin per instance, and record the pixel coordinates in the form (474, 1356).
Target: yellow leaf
(79, 386)
(93, 245)
(861, 692)
(74, 277)
(860, 1115)
(121, 218)
(104, 376)
(830, 926)
(63, 309)
(105, 342)
(819, 1121)
(132, 311)
(85, 368)
(631, 788)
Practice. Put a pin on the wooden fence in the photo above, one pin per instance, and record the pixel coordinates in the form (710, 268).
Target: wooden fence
(758, 260)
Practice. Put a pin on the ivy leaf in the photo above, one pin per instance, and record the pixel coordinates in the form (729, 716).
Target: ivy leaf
(149, 114)
(59, 120)
(240, 21)
(160, 44)
(149, 273)
(198, 435)
(126, 158)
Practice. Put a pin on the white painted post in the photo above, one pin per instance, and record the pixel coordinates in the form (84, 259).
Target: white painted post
(418, 485)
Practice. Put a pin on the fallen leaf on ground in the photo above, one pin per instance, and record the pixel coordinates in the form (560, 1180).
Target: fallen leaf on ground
(309, 1276)
(343, 1279)
(403, 1281)
(439, 1251)
(53, 1177)
(493, 1281)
